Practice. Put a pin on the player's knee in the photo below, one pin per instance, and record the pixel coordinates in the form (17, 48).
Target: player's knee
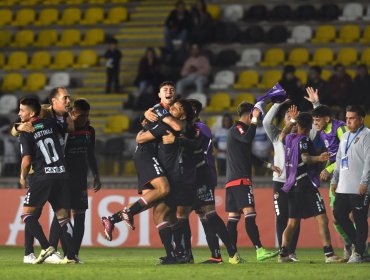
(62, 213)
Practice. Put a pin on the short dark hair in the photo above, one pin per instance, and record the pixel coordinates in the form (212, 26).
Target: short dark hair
(356, 109)
(81, 104)
(188, 109)
(54, 92)
(289, 69)
(304, 120)
(32, 103)
(244, 108)
(317, 69)
(167, 83)
(321, 111)
(197, 106)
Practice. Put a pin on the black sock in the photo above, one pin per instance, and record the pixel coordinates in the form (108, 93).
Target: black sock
(212, 239)
(78, 231)
(36, 229)
(28, 236)
(67, 230)
(187, 236)
(232, 228)
(115, 218)
(220, 229)
(252, 229)
(55, 233)
(328, 251)
(139, 206)
(165, 233)
(178, 237)
(294, 241)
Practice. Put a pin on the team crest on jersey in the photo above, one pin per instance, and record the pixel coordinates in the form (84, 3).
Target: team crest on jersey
(326, 143)
(304, 146)
(356, 140)
(38, 126)
(241, 130)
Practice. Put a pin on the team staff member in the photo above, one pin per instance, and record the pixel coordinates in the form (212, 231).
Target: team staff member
(239, 194)
(351, 181)
(42, 150)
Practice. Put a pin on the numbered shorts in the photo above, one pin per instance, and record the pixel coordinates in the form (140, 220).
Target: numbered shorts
(238, 198)
(53, 190)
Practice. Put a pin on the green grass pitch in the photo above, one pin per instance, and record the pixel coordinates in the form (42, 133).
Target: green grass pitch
(125, 263)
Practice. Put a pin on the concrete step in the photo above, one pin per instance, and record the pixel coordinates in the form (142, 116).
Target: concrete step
(145, 23)
(149, 16)
(140, 37)
(146, 30)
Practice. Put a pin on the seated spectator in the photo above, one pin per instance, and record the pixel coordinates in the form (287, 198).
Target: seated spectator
(261, 150)
(315, 81)
(361, 87)
(201, 20)
(148, 77)
(177, 26)
(338, 87)
(195, 71)
(293, 87)
(221, 143)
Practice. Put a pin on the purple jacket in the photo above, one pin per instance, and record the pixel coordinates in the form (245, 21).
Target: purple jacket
(331, 140)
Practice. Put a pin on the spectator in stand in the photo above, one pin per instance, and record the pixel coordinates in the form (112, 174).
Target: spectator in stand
(261, 150)
(10, 161)
(113, 57)
(195, 71)
(339, 86)
(147, 80)
(201, 20)
(293, 88)
(361, 87)
(221, 143)
(177, 26)
(315, 81)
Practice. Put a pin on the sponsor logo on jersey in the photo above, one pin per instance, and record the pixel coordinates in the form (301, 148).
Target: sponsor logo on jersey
(55, 170)
(38, 126)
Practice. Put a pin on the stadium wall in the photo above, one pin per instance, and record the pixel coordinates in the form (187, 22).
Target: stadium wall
(106, 202)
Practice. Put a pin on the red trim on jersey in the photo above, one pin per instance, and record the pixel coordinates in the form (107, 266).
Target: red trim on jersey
(238, 182)
(240, 129)
(164, 106)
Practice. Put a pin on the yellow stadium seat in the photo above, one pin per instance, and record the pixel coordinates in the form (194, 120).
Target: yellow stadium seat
(93, 15)
(5, 17)
(273, 57)
(2, 60)
(365, 37)
(116, 15)
(365, 56)
(324, 34)
(117, 124)
(93, 37)
(24, 17)
(247, 79)
(29, 2)
(12, 82)
(270, 78)
(47, 17)
(348, 34)
(322, 57)
(46, 38)
(325, 74)
(298, 56)
(120, 1)
(35, 81)
(301, 75)
(52, 2)
(69, 38)
(214, 10)
(247, 97)
(70, 16)
(62, 60)
(40, 60)
(352, 73)
(86, 58)
(129, 169)
(219, 102)
(74, 2)
(213, 121)
(347, 56)
(5, 38)
(367, 120)
(23, 38)
(16, 60)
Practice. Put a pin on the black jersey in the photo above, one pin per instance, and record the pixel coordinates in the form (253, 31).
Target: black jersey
(43, 146)
(239, 151)
(150, 148)
(80, 153)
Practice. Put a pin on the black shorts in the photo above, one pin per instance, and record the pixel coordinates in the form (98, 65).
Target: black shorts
(180, 194)
(204, 195)
(238, 198)
(79, 197)
(306, 203)
(147, 168)
(55, 191)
